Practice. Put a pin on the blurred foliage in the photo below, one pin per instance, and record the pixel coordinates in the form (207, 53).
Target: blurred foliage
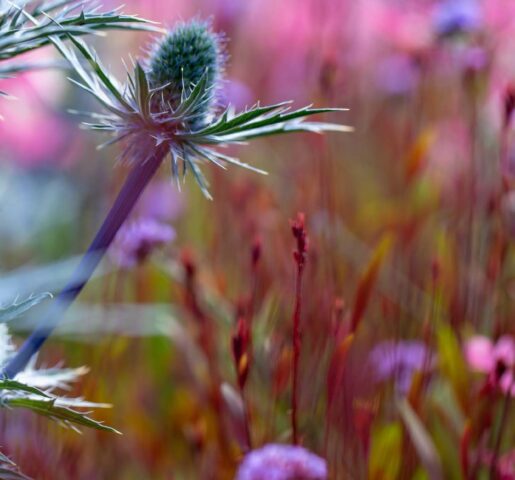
(429, 167)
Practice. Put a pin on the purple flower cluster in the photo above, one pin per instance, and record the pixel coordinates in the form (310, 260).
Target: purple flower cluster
(136, 240)
(282, 462)
(399, 361)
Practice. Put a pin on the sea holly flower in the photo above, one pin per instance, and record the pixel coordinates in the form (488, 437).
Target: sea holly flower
(282, 462)
(164, 110)
(495, 359)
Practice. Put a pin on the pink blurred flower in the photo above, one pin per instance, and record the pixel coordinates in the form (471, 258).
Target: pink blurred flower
(32, 134)
(236, 94)
(495, 359)
(506, 466)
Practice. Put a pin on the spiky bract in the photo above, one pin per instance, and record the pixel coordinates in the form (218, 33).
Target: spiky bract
(183, 131)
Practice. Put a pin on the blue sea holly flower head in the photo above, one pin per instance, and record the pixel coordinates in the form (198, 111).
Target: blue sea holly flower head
(282, 462)
(181, 59)
(166, 109)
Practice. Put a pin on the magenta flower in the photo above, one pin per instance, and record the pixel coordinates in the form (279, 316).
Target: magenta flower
(282, 462)
(495, 359)
(136, 241)
(32, 135)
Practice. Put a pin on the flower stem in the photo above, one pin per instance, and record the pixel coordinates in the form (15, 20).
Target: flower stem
(502, 423)
(299, 255)
(134, 185)
(296, 356)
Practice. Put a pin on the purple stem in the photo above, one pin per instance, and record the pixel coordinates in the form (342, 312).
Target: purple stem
(134, 185)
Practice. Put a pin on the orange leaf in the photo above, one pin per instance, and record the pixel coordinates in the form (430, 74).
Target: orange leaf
(368, 280)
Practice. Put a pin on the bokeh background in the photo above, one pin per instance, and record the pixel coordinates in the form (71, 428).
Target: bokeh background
(411, 218)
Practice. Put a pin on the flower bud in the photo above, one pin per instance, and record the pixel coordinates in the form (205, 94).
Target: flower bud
(181, 59)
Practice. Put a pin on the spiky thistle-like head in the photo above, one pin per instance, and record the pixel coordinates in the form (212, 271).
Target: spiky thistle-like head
(179, 61)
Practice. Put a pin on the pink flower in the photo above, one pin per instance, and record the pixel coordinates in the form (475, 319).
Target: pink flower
(32, 134)
(495, 359)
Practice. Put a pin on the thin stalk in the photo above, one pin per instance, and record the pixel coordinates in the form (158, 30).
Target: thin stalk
(134, 185)
(296, 354)
(502, 423)
(299, 255)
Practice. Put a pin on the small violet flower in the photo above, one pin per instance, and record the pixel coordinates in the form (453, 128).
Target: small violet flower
(399, 361)
(282, 462)
(495, 359)
(136, 241)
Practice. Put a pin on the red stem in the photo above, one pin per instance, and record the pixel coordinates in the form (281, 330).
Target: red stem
(299, 255)
(296, 352)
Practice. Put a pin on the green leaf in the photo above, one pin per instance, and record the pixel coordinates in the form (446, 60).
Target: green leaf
(17, 309)
(8, 473)
(385, 452)
(280, 117)
(23, 30)
(194, 99)
(142, 91)
(9, 470)
(48, 408)
(452, 365)
(421, 440)
(241, 119)
(14, 386)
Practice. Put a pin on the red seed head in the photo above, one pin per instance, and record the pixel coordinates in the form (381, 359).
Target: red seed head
(298, 229)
